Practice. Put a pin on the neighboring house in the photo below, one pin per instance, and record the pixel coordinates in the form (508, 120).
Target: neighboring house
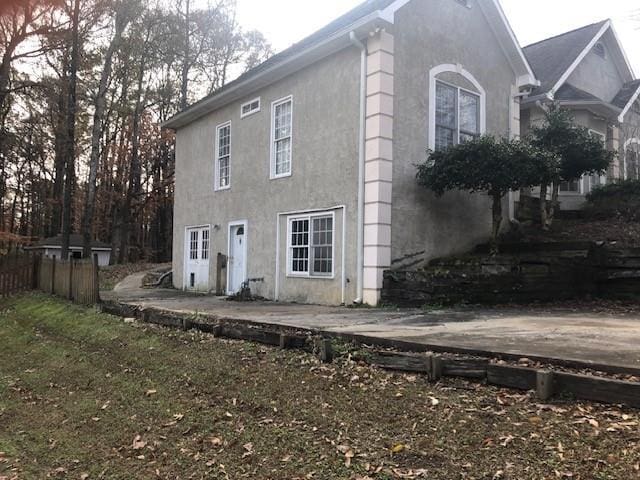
(303, 170)
(51, 248)
(587, 71)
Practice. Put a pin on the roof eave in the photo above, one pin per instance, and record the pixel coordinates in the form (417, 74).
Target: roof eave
(302, 59)
(629, 104)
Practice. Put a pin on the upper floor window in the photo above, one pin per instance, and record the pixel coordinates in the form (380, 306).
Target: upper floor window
(457, 115)
(281, 137)
(223, 157)
(250, 108)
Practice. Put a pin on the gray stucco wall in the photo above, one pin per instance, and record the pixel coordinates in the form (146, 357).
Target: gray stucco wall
(598, 76)
(324, 175)
(427, 34)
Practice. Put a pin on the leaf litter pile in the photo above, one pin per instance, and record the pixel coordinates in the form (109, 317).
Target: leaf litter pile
(86, 396)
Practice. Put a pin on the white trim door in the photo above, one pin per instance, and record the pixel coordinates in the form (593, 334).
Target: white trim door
(237, 257)
(196, 247)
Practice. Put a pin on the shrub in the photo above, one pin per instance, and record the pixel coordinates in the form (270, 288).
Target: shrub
(615, 200)
(485, 164)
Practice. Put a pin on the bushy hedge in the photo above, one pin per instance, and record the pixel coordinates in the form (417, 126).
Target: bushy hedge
(620, 200)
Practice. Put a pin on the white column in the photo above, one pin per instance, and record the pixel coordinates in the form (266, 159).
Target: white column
(378, 164)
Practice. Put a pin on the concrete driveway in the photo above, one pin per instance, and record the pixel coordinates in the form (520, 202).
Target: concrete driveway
(583, 336)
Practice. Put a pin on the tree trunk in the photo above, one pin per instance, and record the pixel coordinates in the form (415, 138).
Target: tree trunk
(497, 220)
(184, 85)
(96, 134)
(71, 134)
(543, 206)
(554, 201)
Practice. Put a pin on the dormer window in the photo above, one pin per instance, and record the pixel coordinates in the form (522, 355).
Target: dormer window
(600, 50)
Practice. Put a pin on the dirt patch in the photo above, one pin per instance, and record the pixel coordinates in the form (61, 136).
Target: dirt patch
(83, 393)
(620, 232)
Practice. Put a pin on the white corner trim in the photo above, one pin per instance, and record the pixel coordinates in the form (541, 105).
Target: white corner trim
(216, 163)
(459, 69)
(629, 105)
(565, 76)
(624, 54)
(272, 153)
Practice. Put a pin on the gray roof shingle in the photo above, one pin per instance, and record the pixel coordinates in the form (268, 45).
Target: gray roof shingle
(552, 57)
(75, 240)
(568, 92)
(625, 94)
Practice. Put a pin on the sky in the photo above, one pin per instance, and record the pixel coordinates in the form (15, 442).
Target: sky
(284, 22)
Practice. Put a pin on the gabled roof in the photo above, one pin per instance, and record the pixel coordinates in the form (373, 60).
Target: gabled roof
(552, 58)
(75, 240)
(335, 36)
(627, 96)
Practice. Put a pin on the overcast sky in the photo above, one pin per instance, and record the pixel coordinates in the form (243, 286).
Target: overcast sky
(286, 21)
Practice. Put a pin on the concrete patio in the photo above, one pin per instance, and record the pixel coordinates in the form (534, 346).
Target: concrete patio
(582, 336)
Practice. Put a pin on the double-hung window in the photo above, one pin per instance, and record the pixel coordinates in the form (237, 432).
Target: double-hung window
(223, 157)
(311, 245)
(457, 115)
(281, 137)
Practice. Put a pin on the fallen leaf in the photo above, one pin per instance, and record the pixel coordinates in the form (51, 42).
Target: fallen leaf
(398, 447)
(138, 443)
(148, 393)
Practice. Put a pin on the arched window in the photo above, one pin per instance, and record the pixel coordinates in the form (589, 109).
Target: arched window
(457, 106)
(600, 50)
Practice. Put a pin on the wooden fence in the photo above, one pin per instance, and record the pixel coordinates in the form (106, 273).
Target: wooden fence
(18, 273)
(76, 280)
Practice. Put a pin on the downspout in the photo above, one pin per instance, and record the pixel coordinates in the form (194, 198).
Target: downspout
(361, 152)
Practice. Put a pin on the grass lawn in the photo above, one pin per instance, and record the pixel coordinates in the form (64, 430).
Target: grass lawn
(85, 396)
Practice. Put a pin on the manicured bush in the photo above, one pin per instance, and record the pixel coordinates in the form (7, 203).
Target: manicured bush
(489, 165)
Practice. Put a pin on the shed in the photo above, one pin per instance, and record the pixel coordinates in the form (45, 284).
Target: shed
(51, 248)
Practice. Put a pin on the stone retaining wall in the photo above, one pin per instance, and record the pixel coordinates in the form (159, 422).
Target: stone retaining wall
(521, 274)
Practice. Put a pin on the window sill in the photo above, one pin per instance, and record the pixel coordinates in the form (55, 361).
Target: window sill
(222, 189)
(311, 277)
(283, 175)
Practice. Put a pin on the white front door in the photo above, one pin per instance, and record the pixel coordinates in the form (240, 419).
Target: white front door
(197, 259)
(237, 257)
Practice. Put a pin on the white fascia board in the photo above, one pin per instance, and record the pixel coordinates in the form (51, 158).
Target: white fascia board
(629, 105)
(565, 76)
(300, 60)
(622, 51)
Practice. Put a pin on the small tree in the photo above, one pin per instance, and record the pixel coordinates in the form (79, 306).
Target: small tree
(579, 153)
(485, 164)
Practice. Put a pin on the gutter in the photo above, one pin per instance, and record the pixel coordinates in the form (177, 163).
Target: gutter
(239, 88)
(361, 160)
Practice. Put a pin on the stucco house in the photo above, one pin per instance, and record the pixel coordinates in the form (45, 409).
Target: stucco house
(587, 71)
(302, 171)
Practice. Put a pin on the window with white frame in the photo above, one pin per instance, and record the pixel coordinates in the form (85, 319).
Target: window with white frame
(205, 244)
(281, 133)
(457, 115)
(250, 108)
(223, 156)
(310, 245)
(193, 245)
